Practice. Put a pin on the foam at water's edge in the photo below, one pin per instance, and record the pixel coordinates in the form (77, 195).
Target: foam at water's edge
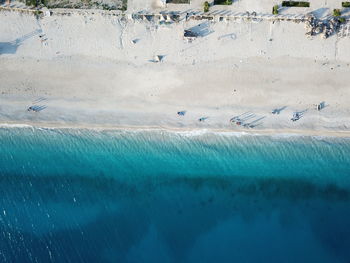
(15, 125)
(183, 132)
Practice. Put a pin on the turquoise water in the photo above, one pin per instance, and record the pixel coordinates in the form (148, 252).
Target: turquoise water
(153, 196)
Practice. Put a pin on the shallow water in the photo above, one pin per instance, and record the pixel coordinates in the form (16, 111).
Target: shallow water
(155, 196)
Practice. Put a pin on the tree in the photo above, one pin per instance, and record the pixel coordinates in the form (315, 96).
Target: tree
(275, 10)
(336, 12)
(206, 6)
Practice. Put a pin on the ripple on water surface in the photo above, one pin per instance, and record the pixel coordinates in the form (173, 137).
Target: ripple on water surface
(157, 196)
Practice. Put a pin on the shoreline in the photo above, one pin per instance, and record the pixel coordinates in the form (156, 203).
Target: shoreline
(194, 131)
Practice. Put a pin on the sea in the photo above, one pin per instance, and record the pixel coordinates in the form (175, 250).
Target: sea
(79, 195)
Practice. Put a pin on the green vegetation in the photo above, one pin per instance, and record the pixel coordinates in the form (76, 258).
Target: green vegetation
(37, 13)
(107, 7)
(222, 2)
(124, 5)
(341, 19)
(336, 12)
(31, 3)
(177, 1)
(206, 6)
(295, 4)
(275, 10)
(345, 4)
(37, 3)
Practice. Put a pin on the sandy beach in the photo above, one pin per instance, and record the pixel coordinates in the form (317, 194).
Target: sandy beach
(85, 71)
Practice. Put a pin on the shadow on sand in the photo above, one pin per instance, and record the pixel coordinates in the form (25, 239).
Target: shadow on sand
(11, 47)
(201, 30)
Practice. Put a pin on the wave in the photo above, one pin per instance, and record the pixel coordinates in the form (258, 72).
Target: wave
(10, 125)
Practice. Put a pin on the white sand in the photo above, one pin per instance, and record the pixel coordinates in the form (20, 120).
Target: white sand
(91, 75)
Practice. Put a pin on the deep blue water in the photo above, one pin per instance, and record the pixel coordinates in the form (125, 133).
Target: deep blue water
(151, 196)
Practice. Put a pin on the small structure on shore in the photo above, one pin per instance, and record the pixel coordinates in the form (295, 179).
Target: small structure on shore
(202, 119)
(298, 115)
(36, 108)
(190, 35)
(157, 58)
(278, 110)
(45, 12)
(321, 106)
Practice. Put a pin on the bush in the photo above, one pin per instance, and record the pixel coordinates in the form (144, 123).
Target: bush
(345, 4)
(222, 2)
(341, 19)
(31, 3)
(206, 6)
(275, 10)
(295, 4)
(124, 6)
(36, 3)
(336, 12)
(105, 7)
(177, 1)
